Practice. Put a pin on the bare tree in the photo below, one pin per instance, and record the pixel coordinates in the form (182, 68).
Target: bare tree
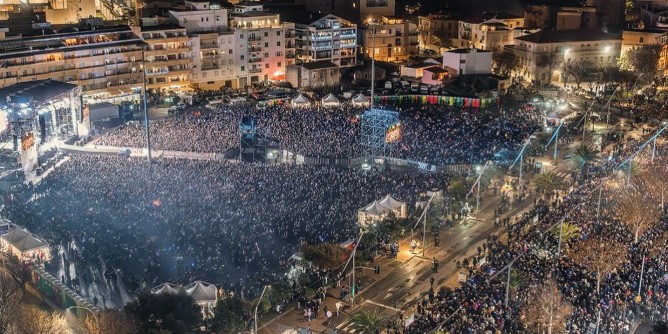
(638, 209)
(109, 322)
(34, 320)
(10, 299)
(654, 177)
(546, 310)
(598, 255)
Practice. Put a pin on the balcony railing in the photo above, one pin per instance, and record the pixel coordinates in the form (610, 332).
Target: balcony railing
(255, 70)
(254, 38)
(255, 60)
(255, 49)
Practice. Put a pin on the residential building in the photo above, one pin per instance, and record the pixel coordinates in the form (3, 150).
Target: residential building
(262, 42)
(105, 62)
(314, 75)
(488, 31)
(200, 17)
(436, 31)
(541, 53)
(213, 63)
(327, 38)
(394, 39)
(168, 57)
(353, 10)
(467, 61)
(635, 38)
(416, 69)
(56, 11)
(434, 75)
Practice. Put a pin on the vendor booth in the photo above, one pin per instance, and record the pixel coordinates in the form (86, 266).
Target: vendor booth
(378, 210)
(360, 101)
(300, 102)
(27, 247)
(330, 101)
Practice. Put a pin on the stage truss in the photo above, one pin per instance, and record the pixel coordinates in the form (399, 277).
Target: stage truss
(374, 132)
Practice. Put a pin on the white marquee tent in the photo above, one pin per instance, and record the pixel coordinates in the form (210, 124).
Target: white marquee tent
(300, 101)
(378, 210)
(330, 101)
(360, 100)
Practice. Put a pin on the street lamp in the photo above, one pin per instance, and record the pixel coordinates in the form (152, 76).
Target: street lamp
(97, 321)
(520, 156)
(258, 304)
(373, 25)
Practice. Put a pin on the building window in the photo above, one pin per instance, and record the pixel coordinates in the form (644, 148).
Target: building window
(279, 64)
(243, 68)
(242, 57)
(278, 43)
(642, 39)
(230, 51)
(278, 33)
(266, 65)
(279, 54)
(202, 19)
(266, 45)
(266, 34)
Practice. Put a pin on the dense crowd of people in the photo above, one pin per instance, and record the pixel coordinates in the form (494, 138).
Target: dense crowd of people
(479, 305)
(222, 222)
(429, 133)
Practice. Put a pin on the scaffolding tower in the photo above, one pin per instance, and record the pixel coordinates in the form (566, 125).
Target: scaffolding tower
(247, 133)
(375, 124)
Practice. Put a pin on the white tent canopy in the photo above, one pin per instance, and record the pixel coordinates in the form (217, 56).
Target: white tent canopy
(330, 101)
(301, 101)
(202, 292)
(165, 288)
(360, 100)
(378, 210)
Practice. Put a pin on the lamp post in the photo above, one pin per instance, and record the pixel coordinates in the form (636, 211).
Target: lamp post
(373, 25)
(144, 45)
(97, 321)
(258, 304)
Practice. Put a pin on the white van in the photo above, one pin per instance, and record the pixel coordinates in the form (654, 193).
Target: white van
(415, 87)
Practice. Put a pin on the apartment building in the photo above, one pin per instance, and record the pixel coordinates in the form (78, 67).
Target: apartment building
(262, 42)
(168, 57)
(541, 53)
(635, 38)
(327, 38)
(353, 10)
(467, 61)
(394, 39)
(105, 62)
(487, 31)
(436, 31)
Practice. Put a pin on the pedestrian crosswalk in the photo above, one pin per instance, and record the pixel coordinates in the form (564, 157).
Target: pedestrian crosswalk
(346, 327)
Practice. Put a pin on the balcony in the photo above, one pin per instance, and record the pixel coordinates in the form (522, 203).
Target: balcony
(255, 49)
(289, 56)
(255, 70)
(342, 36)
(208, 46)
(255, 60)
(254, 38)
(321, 38)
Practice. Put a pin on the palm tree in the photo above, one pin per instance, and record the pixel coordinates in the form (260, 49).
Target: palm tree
(547, 182)
(367, 322)
(568, 232)
(582, 157)
(457, 188)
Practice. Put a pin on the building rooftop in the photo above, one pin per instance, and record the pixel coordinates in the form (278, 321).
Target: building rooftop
(648, 30)
(38, 91)
(436, 69)
(484, 16)
(317, 65)
(161, 27)
(464, 50)
(254, 13)
(562, 36)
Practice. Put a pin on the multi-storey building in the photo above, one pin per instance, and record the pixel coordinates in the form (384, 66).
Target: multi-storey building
(394, 39)
(262, 42)
(436, 31)
(541, 54)
(168, 57)
(327, 38)
(353, 10)
(487, 31)
(105, 62)
(213, 64)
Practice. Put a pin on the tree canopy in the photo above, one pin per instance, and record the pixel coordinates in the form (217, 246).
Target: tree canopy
(176, 313)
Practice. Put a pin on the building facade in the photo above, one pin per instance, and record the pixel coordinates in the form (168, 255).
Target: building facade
(488, 31)
(542, 54)
(106, 62)
(467, 61)
(314, 75)
(328, 38)
(394, 40)
(168, 57)
(436, 31)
